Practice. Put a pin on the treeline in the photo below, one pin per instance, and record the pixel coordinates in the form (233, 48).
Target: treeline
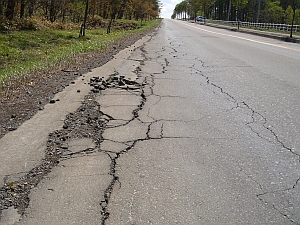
(264, 11)
(74, 10)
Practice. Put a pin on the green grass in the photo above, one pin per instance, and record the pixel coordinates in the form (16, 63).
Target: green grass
(25, 52)
(276, 31)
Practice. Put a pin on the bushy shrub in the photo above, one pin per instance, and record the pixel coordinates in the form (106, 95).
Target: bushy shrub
(34, 24)
(96, 22)
(5, 25)
(125, 25)
(93, 22)
(26, 24)
(18, 24)
(59, 25)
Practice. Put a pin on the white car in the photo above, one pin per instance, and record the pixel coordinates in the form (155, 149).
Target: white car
(202, 19)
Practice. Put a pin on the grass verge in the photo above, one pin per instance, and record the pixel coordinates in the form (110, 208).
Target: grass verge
(25, 52)
(276, 31)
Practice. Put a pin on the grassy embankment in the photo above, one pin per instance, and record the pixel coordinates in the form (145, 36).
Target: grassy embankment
(278, 31)
(26, 52)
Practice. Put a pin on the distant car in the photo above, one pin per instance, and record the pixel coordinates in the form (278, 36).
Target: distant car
(202, 19)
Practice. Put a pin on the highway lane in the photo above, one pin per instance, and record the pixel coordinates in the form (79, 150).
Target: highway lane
(223, 141)
(271, 56)
(275, 66)
(271, 80)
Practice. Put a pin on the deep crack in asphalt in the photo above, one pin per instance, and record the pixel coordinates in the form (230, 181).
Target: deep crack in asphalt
(90, 122)
(254, 114)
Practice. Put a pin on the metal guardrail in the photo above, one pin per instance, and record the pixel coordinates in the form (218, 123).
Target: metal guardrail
(264, 26)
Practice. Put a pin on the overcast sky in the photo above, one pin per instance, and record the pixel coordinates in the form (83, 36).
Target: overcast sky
(168, 7)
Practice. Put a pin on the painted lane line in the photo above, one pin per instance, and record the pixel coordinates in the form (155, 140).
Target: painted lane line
(242, 38)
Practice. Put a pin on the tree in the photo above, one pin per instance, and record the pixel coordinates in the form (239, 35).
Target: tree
(294, 4)
(205, 5)
(173, 16)
(22, 8)
(31, 7)
(221, 9)
(181, 9)
(240, 5)
(274, 11)
(194, 6)
(122, 9)
(10, 9)
(74, 10)
(83, 26)
(288, 19)
(1, 9)
(52, 11)
(113, 10)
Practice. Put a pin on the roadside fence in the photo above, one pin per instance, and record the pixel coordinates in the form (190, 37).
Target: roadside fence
(262, 26)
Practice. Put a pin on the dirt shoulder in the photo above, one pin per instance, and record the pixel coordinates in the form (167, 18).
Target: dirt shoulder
(22, 102)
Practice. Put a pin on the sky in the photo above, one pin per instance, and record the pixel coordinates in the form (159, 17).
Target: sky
(168, 7)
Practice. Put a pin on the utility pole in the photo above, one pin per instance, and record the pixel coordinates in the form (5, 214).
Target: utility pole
(229, 9)
(258, 11)
(294, 12)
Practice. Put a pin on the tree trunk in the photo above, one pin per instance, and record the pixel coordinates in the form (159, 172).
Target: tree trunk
(109, 26)
(258, 11)
(1, 10)
(10, 10)
(22, 9)
(293, 20)
(121, 10)
(83, 26)
(229, 10)
(31, 7)
(52, 11)
(63, 15)
(113, 16)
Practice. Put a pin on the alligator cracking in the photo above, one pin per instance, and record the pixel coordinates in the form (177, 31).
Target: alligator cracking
(88, 121)
(146, 82)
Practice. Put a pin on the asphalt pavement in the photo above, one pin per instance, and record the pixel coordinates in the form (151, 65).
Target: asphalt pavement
(190, 125)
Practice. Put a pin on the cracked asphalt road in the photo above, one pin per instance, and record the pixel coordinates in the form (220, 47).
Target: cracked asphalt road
(185, 127)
